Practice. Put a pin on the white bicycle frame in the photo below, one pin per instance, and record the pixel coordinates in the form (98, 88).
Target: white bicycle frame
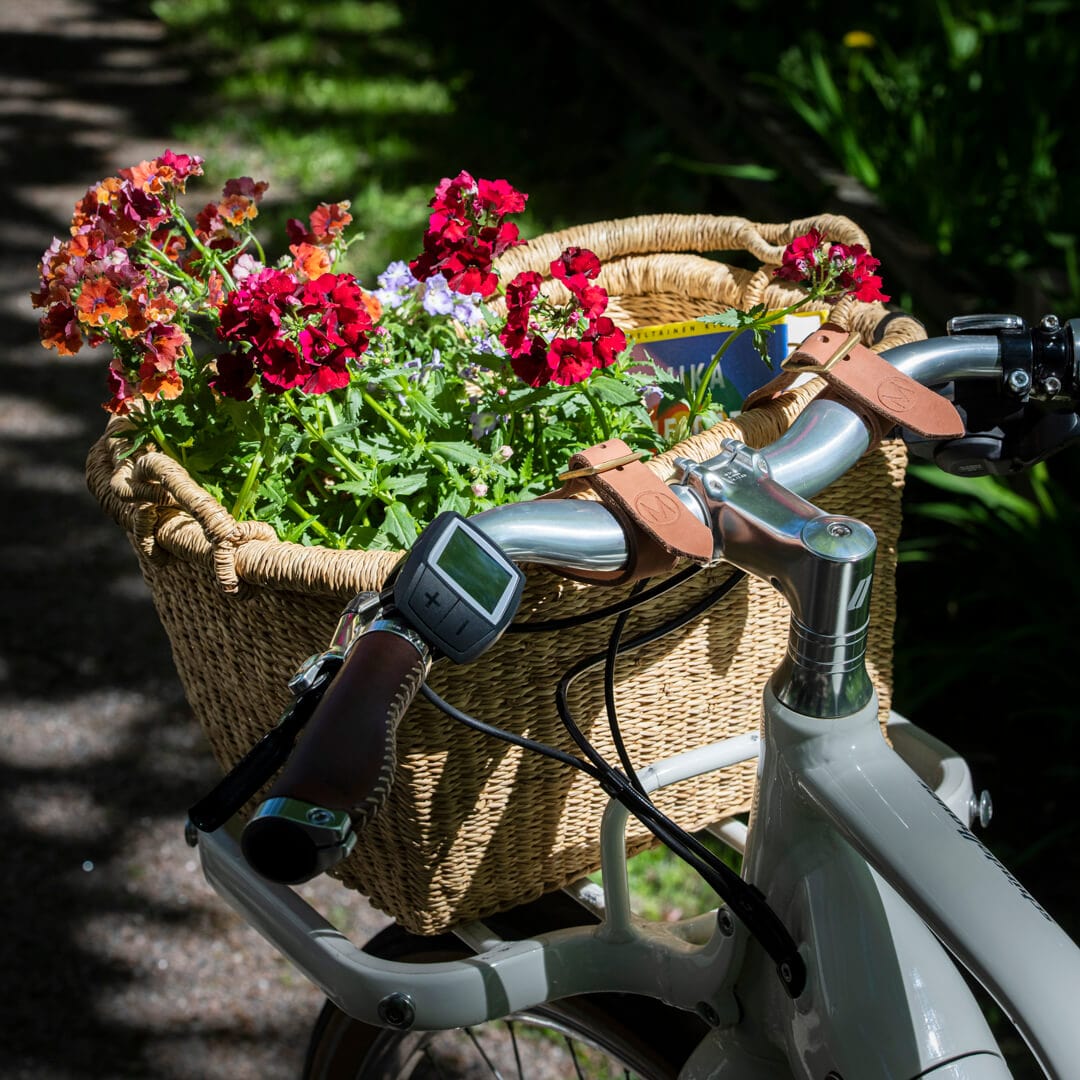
(863, 851)
(867, 867)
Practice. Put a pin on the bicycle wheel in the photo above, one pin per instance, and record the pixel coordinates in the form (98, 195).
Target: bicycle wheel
(598, 1035)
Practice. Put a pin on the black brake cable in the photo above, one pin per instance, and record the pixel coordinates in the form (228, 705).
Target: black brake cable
(609, 694)
(745, 900)
(617, 608)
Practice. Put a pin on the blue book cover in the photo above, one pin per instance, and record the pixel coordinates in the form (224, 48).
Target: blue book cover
(685, 349)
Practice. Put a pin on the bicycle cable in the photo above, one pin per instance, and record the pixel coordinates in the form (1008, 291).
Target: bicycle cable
(617, 608)
(745, 900)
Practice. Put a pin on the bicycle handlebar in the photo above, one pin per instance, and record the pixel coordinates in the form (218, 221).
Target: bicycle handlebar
(339, 775)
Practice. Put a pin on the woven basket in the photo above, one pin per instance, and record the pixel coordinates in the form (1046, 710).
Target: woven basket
(473, 826)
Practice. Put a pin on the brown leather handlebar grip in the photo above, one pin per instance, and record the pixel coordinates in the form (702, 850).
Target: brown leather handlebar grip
(344, 762)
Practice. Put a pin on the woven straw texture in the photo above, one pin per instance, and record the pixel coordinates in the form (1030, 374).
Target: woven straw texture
(472, 825)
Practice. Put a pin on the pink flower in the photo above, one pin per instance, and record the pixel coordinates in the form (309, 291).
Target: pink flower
(831, 270)
(466, 233)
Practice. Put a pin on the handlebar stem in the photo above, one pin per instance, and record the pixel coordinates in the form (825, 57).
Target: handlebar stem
(821, 563)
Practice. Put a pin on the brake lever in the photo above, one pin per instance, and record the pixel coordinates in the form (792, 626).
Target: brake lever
(1028, 415)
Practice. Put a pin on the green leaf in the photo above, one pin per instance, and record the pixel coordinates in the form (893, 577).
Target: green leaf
(460, 452)
(356, 487)
(730, 317)
(420, 406)
(613, 391)
(400, 525)
(405, 485)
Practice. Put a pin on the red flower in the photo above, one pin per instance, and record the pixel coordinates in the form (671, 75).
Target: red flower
(498, 197)
(608, 340)
(571, 361)
(327, 223)
(531, 365)
(466, 233)
(280, 365)
(855, 268)
(234, 375)
(59, 330)
(832, 270)
(295, 334)
(575, 261)
(454, 196)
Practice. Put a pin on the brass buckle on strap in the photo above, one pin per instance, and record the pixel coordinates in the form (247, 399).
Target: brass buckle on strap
(604, 466)
(795, 367)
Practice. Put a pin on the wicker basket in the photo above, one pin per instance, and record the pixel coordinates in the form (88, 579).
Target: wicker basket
(473, 826)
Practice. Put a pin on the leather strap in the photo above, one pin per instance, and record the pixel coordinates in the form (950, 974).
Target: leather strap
(659, 529)
(859, 375)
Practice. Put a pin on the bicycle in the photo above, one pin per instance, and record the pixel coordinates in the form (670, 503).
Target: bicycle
(834, 954)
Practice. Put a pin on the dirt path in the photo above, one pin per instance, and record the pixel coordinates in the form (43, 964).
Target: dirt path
(116, 958)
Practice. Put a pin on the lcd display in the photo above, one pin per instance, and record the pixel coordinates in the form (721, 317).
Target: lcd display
(481, 578)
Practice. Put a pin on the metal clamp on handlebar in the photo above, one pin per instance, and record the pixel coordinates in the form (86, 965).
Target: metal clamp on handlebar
(307, 839)
(1029, 414)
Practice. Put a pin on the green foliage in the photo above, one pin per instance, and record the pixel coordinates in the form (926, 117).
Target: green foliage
(994, 567)
(953, 113)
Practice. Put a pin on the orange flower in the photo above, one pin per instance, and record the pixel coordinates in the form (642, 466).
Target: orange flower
(149, 176)
(373, 305)
(144, 309)
(59, 330)
(311, 261)
(328, 220)
(154, 384)
(236, 209)
(164, 344)
(215, 289)
(100, 303)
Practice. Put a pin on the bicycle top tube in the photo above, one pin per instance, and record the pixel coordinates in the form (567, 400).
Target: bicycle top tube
(823, 443)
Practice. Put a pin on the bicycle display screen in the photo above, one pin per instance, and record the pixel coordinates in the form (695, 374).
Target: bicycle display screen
(457, 589)
(463, 560)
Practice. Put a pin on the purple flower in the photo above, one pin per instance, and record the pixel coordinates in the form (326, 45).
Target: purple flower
(482, 423)
(651, 396)
(467, 309)
(397, 276)
(396, 281)
(438, 299)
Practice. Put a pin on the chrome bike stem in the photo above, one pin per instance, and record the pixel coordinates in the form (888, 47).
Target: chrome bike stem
(821, 563)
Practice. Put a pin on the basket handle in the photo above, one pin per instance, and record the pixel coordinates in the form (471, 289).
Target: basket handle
(652, 233)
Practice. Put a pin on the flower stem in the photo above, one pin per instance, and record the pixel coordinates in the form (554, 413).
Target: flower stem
(605, 427)
(319, 438)
(403, 431)
(309, 519)
(247, 492)
(763, 322)
(163, 443)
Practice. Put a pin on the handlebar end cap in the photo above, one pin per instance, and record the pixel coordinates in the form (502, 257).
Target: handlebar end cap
(289, 841)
